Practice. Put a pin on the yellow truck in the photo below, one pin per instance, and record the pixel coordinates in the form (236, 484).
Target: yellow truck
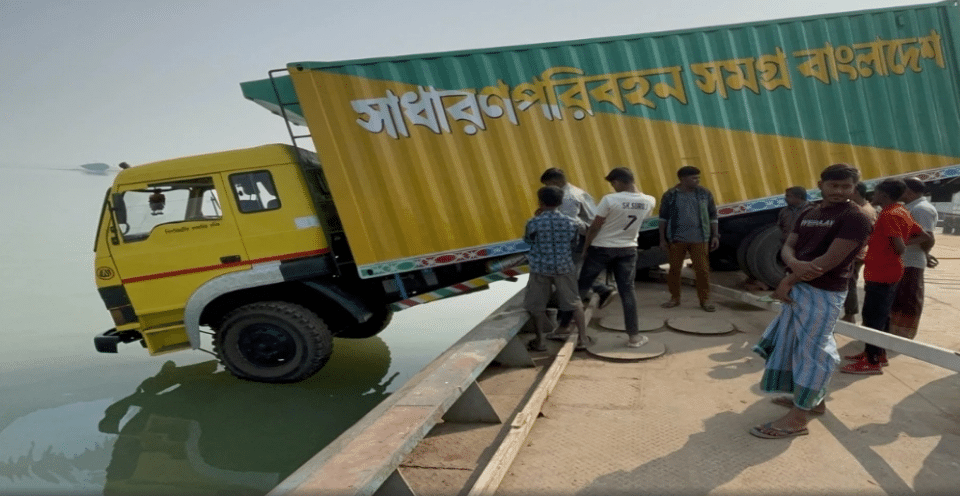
(426, 168)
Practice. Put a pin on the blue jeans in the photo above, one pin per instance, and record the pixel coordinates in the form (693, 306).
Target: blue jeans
(623, 263)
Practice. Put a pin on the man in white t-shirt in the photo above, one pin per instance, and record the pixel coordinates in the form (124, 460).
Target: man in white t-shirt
(611, 243)
(908, 302)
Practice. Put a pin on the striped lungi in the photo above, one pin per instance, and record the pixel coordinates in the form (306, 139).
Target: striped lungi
(798, 345)
(907, 304)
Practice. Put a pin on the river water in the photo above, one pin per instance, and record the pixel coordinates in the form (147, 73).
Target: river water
(74, 421)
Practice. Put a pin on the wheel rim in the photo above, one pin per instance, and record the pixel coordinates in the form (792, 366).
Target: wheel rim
(266, 345)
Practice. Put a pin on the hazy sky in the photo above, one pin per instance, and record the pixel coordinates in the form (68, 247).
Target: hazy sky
(138, 81)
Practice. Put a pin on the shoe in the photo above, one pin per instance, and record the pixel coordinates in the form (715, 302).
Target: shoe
(643, 340)
(768, 431)
(708, 307)
(863, 367)
(670, 304)
(863, 356)
(606, 298)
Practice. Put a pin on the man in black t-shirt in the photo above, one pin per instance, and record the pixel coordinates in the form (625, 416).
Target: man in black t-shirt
(798, 346)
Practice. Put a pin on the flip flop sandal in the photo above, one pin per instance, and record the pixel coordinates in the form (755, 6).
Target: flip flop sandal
(670, 304)
(558, 336)
(787, 402)
(581, 346)
(758, 431)
(534, 346)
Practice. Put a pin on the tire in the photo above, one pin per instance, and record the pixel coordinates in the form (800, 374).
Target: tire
(370, 328)
(273, 341)
(763, 257)
(742, 251)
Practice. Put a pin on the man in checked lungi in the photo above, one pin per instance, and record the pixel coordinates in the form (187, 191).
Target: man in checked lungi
(908, 303)
(798, 346)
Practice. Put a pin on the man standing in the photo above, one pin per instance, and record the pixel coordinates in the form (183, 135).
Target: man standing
(577, 204)
(908, 302)
(796, 198)
(851, 306)
(688, 224)
(882, 270)
(798, 346)
(612, 242)
(551, 235)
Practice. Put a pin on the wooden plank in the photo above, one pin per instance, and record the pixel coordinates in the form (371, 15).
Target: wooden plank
(496, 469)
(364, 456)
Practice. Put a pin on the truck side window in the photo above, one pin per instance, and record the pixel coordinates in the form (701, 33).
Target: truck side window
(254, 191)
(168, 203)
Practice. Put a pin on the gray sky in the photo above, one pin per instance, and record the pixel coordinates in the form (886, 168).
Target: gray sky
(141, 80)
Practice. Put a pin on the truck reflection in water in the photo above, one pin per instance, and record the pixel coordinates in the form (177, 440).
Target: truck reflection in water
(196, 430)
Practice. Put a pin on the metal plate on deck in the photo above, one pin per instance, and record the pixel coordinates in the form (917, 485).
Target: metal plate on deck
(701, 325)
(613, 346)
(615, 323)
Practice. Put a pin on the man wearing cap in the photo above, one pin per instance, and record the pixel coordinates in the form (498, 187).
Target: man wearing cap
(611, 243)
(908, 302)
(688, 224)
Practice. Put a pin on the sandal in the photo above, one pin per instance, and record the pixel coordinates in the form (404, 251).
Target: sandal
(583, 345)
(708, 307)
(670, 304)
(558, 336)
(788, 402)
(768, 431)
(638, 344)
(533, 345)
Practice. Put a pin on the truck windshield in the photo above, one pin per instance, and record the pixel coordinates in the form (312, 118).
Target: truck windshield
(168, 203)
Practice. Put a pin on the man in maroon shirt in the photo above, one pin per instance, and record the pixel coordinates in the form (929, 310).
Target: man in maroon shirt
(798, 346)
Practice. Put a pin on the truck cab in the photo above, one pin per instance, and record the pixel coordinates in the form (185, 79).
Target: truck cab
(238, 241)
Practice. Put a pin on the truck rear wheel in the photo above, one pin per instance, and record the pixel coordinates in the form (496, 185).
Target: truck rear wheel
(742, 251)
(370, 328)
(273, 341)
(763, 257)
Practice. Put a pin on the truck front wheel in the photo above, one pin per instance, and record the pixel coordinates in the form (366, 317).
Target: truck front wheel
(369, 328)
(273, 341)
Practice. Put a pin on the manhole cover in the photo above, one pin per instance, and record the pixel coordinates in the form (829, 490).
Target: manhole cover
(700, 325)
(615, 323)
(613, 346)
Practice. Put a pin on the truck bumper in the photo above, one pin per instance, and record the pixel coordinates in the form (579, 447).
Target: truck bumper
(107, 342)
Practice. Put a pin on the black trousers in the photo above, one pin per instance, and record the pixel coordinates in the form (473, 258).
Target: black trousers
(877, 301)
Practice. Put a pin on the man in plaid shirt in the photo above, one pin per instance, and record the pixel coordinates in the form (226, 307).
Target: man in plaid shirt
(552, 237)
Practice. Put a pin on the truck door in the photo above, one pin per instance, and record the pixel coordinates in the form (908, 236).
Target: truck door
(274, 214)
(173, 237)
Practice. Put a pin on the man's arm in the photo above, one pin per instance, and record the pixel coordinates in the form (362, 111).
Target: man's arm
(838, 251)
(714, 222)
(803, 270)
(592, 232)
(663, 235)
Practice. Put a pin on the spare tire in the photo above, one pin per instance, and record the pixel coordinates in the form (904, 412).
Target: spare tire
(763, 257)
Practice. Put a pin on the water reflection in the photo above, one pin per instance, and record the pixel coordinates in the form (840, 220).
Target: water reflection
(195, 429)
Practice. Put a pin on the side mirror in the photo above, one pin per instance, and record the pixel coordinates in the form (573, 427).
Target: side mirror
(119, 208)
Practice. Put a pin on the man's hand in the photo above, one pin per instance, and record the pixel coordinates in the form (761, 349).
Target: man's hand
(714, 243)
(806, 271)
(782, 292)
